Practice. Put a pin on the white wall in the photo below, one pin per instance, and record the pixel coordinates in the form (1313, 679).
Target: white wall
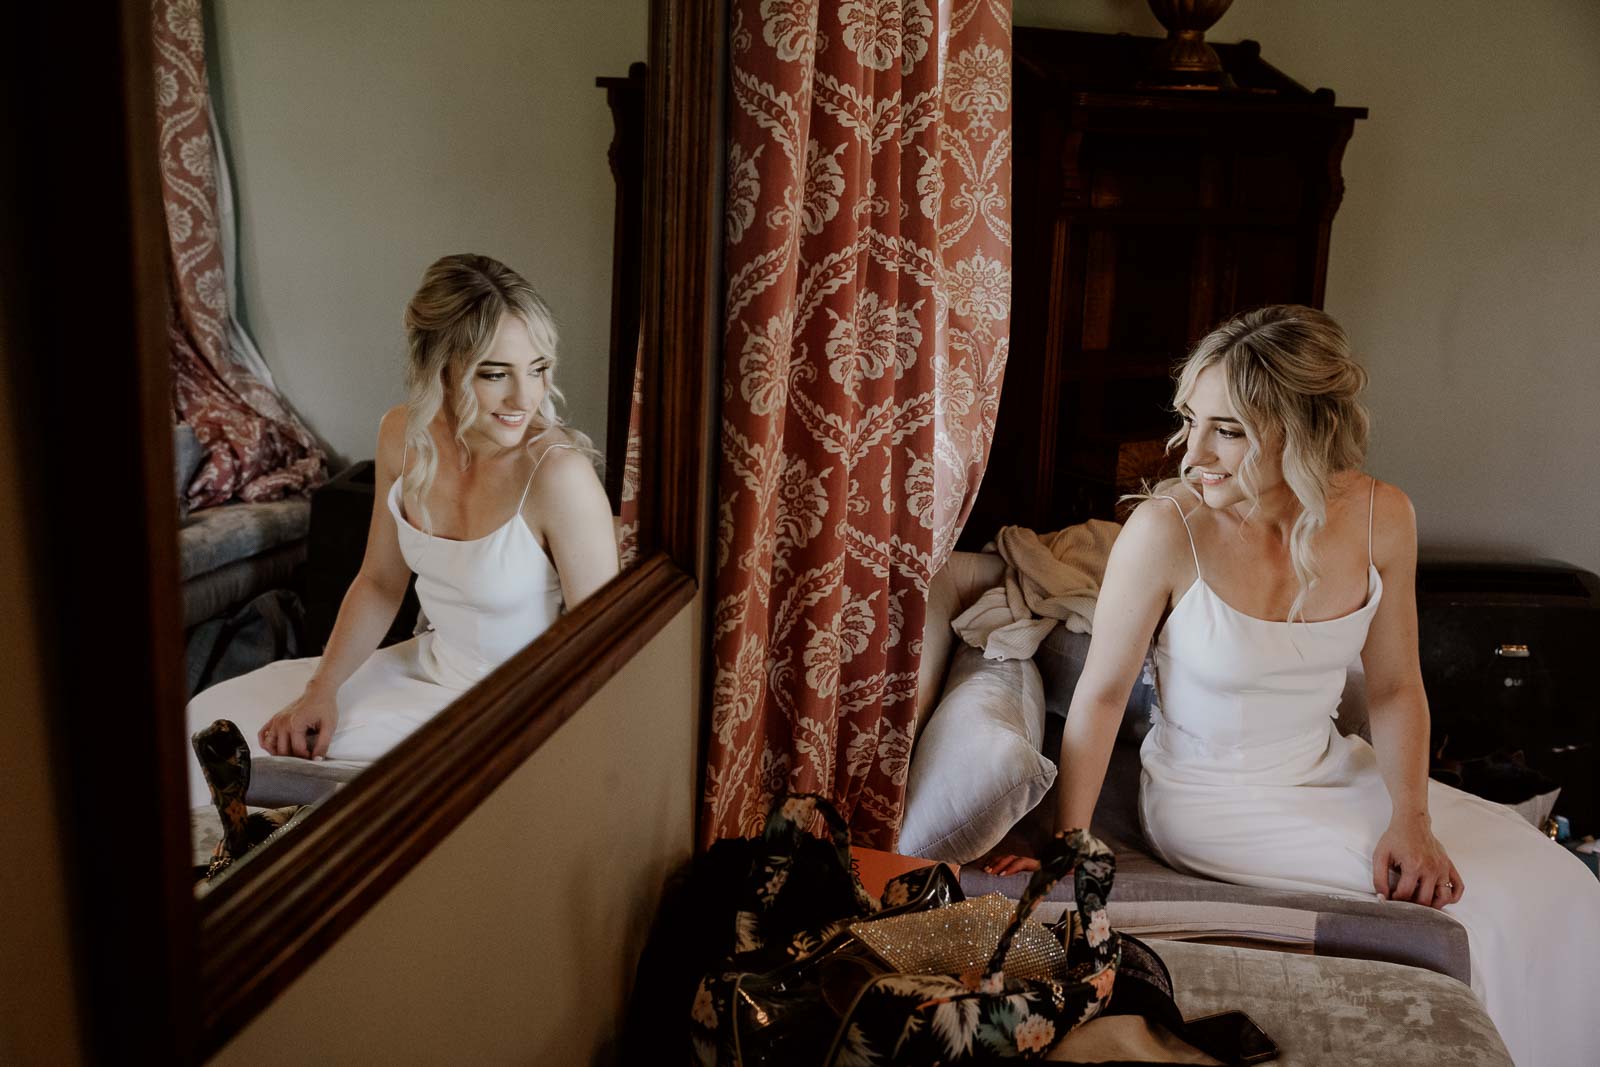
(1466, 256)
(370, 137)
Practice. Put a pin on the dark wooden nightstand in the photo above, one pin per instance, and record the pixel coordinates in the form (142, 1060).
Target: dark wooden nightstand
(341, 511)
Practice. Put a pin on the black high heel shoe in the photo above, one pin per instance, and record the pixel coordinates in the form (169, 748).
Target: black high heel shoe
(225, 759)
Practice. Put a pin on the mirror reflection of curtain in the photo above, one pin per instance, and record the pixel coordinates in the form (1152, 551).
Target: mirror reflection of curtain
(628, 510)
(626, 99)
(256, 448)
(624, 409)
(868, 254)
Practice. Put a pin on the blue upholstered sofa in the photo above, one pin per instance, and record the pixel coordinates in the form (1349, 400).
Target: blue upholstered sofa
(227, 557)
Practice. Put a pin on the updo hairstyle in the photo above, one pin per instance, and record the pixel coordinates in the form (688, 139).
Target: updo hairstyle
(450, 324)
(1295, 385)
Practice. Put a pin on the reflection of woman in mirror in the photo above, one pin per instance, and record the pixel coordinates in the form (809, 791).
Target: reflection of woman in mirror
(483, 492)
(1261, 574)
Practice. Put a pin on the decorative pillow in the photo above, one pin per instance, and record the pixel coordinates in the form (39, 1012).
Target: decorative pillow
(962, 580)
(977, 768)
(1061, 657)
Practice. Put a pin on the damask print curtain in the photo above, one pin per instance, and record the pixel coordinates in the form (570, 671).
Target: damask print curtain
(628, 506)
(868, 314)
(257, 449)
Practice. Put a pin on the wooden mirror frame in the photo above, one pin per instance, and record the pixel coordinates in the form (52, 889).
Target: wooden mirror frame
(82, 324)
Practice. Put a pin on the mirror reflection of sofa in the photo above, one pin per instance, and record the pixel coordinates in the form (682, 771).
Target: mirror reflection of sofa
(982, 782)
(228, 557)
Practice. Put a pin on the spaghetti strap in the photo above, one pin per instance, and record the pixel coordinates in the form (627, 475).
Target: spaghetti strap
(1195, 552)
(548, 449)
(1372, 497)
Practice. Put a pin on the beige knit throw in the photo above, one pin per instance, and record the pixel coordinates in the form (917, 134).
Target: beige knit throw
(1049, 579)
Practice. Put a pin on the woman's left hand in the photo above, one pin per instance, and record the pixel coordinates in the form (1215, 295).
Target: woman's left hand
(1010, 864)
(1421, 871)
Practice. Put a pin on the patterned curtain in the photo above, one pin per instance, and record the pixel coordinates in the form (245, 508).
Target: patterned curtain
(257, 449)
(868, 306)
(628, 517)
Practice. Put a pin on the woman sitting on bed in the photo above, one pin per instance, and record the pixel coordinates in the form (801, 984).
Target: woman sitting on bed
(483, 493)
(1261, 574)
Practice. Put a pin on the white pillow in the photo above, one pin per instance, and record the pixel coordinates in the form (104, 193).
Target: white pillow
(977, 768)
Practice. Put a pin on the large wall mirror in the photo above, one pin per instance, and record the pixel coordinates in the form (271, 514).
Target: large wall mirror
(361, 142)
(471, 170)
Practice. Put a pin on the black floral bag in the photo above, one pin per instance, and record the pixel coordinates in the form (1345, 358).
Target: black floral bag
(758, 903)
(966, 983)
(798, 890)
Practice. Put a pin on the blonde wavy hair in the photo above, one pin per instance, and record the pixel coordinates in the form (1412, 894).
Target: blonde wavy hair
(450, 324)
(1291, 379)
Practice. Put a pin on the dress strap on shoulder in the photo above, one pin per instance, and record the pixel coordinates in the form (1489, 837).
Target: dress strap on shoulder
(1185, 520)
(1372, 497)
(548, 449)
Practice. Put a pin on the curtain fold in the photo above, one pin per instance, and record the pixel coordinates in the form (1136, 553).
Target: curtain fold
(628, 510)
(257, 449)
(868, 274)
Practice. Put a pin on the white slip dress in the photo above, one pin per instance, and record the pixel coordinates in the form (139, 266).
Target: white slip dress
(1247, 780)
(484, 599)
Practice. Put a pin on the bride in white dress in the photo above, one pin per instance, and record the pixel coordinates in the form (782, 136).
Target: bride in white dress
(1262, 573)
(480, 490)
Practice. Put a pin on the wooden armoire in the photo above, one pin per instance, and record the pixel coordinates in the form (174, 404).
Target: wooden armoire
(1142, 218)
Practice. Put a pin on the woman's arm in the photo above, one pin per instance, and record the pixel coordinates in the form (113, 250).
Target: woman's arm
(1138, 584)
(1397, 709)
(365, 615)
(575, 518)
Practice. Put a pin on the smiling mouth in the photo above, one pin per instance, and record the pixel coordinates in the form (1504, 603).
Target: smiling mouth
(1208, 478)
(511, 420)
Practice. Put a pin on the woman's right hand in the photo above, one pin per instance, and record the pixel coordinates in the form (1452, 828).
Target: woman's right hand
(1003, 865)
(304, 728)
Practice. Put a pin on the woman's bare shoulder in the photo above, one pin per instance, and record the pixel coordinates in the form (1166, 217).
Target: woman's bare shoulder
(391, 441)
(1150, 561)
(566, 502)
(1394, 523)
(562, 467)
(1157, 529)
(562, 461)
(551, 441)
(1390, 501)
(1357, 494)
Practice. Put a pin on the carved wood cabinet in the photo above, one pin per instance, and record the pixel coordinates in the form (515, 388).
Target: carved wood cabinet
(1142, 218)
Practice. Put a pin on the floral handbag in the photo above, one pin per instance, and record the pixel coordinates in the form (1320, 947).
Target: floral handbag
(756, 904)
(965, 983)
(801, 891)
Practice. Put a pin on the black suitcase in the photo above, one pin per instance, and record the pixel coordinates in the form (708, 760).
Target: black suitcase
(1506, 648)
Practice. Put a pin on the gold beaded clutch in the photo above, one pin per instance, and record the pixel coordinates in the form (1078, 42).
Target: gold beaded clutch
(960, 938)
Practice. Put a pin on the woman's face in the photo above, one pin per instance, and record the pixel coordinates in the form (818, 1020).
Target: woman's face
(510, 383)
(1217, 445)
